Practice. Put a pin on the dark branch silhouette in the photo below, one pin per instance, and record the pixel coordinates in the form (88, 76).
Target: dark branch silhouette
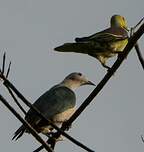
(15, 99)
(131, 43)
(141, 59)
(8, 70)
(142, 138)
(9, 90)
(136, 45)
(3, 65)
(33, 131)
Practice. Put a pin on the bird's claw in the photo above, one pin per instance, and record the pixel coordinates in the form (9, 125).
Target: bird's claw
(107, 67)
(67, 126)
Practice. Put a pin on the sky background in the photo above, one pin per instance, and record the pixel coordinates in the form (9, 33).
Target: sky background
(30, 29)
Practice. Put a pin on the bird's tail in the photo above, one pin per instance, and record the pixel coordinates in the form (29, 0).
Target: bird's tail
(82, 47)
(83, 39)
(19, 132)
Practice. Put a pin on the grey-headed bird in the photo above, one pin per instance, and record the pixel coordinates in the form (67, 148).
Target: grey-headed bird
(102, 45)
(57, 105)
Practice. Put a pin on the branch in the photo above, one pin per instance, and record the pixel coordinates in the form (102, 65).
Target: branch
(7, 73)
(110, 73)
(131, 43)
(139, 55)
(16, 101)
(8, 70)
(136, 45)
(33, 132)
(142, 138)
(138, 23)
(3, 65)
(74, 141)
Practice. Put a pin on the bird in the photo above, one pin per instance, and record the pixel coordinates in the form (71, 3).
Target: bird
(57, 104)
(102, 45)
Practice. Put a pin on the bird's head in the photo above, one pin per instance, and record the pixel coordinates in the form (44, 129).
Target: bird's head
(119, 21)
(75, 80)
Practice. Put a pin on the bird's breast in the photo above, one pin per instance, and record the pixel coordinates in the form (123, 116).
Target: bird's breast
(119, 45)
(64, 116)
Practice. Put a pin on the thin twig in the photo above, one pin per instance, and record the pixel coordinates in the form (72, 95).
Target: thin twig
(16, 101)
(142, 138)
(3, 65)
(136, 45)
(131, 42)
(33, 131)
(141, 59)
(8, 70)
(73, 140)
(138, 23)
(7, 73)
(38, 149)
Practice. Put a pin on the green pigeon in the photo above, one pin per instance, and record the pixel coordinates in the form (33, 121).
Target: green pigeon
(102, 45)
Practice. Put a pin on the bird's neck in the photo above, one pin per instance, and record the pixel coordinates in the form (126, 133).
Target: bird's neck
(70, 85)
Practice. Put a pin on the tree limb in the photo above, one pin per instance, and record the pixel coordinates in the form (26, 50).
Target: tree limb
(141, 59)
(33, 131)
(131, 43)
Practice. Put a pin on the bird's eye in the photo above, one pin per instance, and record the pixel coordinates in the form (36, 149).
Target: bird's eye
(79, 74)
(72, 78)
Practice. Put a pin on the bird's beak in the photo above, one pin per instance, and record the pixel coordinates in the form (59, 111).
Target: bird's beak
(89, 83)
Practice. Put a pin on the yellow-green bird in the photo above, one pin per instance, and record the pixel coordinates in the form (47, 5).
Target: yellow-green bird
(102, 45)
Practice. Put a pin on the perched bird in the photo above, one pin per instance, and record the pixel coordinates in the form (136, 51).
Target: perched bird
(57, 105)
(102, 45)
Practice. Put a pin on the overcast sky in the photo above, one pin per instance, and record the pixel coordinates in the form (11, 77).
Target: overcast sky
(30, 29)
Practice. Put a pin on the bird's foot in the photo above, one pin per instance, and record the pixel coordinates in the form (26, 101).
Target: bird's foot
(67, 126)
(49, 134)
(107, 67)
(52, 135)
(60, 138)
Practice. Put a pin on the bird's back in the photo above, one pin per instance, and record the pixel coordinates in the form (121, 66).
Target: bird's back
(55, 101)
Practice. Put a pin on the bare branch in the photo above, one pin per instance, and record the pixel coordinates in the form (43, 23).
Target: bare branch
(141, 59)
(142, 138)
(72, 139)
(3, 65)
(136, 45)
(33, 131)
(16, 101)
(7, 73)
(138, 23)
(110, 73)
(131, 43)
(8, 70)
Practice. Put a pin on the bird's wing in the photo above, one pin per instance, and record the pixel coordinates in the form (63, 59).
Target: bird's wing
(81, 47)
(58, 99)
(95, 43)
(108, 35)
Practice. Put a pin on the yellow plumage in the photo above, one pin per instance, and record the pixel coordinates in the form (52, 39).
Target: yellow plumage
(102, 45)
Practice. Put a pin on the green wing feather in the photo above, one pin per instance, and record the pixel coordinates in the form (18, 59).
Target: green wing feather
(108, 35)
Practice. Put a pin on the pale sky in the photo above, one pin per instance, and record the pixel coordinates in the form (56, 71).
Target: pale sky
(30, 29)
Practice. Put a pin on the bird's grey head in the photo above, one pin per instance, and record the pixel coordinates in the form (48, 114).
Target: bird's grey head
(75, 80)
